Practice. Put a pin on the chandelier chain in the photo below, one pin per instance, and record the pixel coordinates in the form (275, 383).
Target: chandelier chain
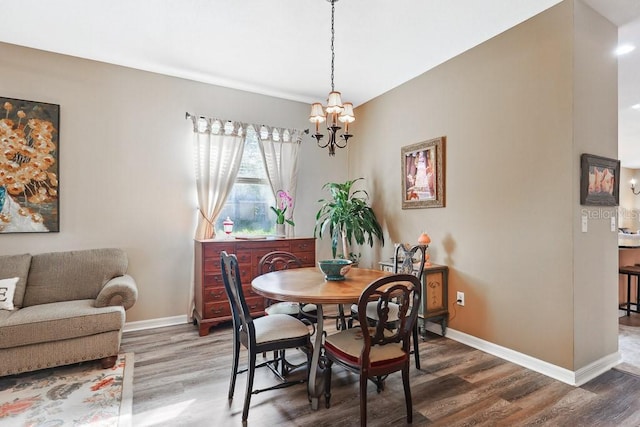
(333, 55)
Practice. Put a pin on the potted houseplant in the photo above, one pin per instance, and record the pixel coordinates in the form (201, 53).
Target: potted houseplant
(283, 201)
(348, 217)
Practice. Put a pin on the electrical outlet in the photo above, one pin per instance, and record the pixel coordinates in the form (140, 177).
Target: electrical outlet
(460, 298)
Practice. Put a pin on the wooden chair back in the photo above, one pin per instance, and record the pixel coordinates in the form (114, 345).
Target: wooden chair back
(404, 259)
(233, 288)
(400, 289)
(278, 260)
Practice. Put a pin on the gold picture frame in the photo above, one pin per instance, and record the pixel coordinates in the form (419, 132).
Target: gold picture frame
(423, 174)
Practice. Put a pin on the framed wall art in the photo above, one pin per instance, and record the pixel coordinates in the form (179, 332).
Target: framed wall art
(29, 149)
(599, 181)
(423, 174)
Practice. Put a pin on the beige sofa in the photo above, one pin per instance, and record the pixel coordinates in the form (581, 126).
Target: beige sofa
(68, 307)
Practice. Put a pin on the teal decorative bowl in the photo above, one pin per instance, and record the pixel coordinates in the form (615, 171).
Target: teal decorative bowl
(335, 269)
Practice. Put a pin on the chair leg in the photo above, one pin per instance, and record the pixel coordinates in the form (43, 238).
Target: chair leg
(341, 323)
(363, 399)
(407, 392)
(416, 350)
(327, 382)
(247, 397)
(234, 366)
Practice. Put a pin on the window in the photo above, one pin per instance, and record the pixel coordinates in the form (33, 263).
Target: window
(249, 203)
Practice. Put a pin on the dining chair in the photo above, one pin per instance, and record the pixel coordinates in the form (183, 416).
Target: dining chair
(260, 335)
(376, 351)
(283, 260)
(406, 260)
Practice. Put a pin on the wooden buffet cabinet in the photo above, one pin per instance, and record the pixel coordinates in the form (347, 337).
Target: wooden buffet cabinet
(435, 288)
(211, 304)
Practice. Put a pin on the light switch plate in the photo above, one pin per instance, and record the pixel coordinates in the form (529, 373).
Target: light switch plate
(613, 223)
(584, 224)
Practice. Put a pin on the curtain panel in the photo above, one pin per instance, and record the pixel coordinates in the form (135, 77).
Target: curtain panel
(280, 149)
(218, 146)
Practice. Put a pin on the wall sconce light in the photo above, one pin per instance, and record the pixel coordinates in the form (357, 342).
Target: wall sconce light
(633, 187)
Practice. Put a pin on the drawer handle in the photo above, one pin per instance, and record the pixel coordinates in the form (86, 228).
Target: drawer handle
(215, 294)
(254, 306)
(217, 310)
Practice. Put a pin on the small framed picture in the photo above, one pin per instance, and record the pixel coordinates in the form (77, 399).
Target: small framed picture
(423, 174)
(599, 181)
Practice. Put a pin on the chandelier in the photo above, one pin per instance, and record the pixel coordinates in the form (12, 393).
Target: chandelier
(335, 111)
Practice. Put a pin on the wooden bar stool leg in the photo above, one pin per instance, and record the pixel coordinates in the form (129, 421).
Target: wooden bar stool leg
(637, 294)
(628, 295)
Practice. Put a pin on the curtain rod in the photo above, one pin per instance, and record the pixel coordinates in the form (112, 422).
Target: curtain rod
(188, 115)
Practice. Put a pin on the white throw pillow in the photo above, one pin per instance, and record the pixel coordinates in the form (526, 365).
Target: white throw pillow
(7, 290)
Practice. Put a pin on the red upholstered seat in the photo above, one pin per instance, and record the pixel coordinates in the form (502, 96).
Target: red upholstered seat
(377, 351)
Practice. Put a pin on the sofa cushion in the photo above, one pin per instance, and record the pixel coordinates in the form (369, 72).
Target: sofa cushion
(73, 275)
(7, 289)
(57, 321)
(16, 266)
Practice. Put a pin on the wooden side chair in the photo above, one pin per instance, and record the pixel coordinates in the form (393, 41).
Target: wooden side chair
(264, 334)
(282, 260)
(373, 352)
(406, 260)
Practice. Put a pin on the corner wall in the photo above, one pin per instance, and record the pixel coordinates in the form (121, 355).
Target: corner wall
(507, 231)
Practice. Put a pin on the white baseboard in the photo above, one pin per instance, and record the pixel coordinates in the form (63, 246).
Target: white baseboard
(574, 378)
(155, 323)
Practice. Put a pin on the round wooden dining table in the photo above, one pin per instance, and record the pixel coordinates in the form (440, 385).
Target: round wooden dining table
(308, 285)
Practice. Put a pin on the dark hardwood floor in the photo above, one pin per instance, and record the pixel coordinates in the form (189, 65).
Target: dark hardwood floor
(181, 379)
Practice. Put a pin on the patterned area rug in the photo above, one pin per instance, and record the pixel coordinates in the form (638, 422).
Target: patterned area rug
(75, 395)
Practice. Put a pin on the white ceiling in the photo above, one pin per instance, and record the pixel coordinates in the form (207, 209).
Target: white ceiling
(281, 47)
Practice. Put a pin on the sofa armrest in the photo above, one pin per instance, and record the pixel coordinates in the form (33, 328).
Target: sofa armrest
(121, 290)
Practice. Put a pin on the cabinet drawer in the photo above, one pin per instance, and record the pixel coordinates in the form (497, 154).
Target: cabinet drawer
(213, 280)
(214, 294)
(244, 257)
(212, 265)
(250, 293)
(217, 309)
(255, 304)
(264, 245)
(213, 250)
(308, 258)
(303, 246)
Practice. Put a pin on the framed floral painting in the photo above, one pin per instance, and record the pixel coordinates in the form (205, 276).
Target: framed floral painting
(423, 174)
(29, 148)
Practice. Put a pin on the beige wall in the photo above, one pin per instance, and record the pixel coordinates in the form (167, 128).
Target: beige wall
(595, 128)
(126, 175)
(508, 232)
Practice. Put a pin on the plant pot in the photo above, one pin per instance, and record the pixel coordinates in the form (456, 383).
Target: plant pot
(280, 230)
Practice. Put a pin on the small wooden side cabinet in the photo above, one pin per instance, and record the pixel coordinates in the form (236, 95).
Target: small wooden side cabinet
(211, 304)
(435, 296)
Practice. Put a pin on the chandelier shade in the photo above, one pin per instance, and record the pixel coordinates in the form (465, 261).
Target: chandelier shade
(335, 111)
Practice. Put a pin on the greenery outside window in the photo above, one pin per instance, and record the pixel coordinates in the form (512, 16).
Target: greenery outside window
(249, 201)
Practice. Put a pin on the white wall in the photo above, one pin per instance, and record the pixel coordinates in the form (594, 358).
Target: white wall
(126, 175)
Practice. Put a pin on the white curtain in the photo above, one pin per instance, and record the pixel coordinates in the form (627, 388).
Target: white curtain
(218, 147)
(280, 150)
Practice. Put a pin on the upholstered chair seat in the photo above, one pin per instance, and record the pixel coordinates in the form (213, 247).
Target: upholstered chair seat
(374, 352)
